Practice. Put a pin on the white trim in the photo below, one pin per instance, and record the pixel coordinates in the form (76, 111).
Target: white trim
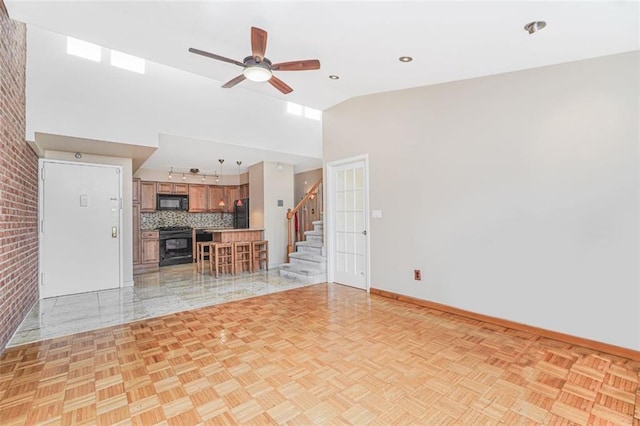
(329, 198)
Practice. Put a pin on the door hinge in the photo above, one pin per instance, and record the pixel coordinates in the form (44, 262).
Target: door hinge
(42, 279)
(42, 226)
(42, 174)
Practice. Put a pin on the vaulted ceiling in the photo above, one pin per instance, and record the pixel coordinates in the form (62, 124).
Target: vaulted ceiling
(359, 41)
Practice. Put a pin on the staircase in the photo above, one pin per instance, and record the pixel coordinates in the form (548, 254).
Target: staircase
(307, 264)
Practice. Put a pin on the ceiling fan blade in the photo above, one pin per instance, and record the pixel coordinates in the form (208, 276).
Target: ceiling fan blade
(214, 56)
(258, 43)
(234, 81)
(307, 64)
(280, 85)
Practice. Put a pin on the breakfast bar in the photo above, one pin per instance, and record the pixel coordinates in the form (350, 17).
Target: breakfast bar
(225, 235)
(236, 235)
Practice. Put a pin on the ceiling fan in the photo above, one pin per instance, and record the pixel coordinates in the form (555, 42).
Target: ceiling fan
(257, 67)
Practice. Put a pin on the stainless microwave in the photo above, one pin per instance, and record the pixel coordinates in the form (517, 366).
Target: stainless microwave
(173, 202)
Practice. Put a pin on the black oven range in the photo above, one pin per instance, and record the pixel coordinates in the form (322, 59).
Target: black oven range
(175, 245)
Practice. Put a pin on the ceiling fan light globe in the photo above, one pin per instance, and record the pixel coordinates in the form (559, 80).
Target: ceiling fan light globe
(257, 73)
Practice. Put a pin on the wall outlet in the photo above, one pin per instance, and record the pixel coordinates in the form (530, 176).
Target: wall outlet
(417, 275)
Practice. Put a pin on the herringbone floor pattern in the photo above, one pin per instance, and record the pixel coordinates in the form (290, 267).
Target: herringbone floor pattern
(323, 354)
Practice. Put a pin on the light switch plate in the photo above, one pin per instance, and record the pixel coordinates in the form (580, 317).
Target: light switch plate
(376, 214)
(84, 201)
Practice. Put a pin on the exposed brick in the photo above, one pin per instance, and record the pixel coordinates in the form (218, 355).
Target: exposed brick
(18, 185)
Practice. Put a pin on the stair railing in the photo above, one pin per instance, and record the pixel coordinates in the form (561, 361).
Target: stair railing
(313, 192)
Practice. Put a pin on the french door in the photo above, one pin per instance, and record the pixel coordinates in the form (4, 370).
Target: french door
(348, 222)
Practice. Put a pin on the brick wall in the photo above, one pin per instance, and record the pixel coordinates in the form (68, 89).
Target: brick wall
(18, 185)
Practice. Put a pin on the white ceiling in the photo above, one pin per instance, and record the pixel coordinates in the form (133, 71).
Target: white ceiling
(359, 41)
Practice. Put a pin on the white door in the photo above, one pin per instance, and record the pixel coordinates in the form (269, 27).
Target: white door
(348, 223)
(80, 228)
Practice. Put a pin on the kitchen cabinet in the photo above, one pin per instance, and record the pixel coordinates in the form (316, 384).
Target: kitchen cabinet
(215, 194)
(197, 198)
(244, 191)
(231, 194)
(150, 249)
(135, 191)
(136, 233)
(147, 196)
(173, 188)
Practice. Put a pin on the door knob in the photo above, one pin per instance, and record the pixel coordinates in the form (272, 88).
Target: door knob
(364, 232)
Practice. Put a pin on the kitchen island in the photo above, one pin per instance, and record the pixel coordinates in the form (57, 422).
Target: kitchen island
(236, 235)
(226, 235)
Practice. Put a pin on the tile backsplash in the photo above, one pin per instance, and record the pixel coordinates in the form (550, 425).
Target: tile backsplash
(195, 220)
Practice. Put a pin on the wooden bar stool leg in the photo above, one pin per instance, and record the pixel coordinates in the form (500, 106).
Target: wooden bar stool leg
(212, 258)
(223, 258)
(242, 254)
(260, 251)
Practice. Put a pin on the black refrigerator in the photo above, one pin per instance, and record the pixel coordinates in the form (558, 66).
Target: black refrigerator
(241, 214)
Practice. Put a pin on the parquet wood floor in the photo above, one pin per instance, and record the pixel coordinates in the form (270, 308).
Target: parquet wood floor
(324, 354)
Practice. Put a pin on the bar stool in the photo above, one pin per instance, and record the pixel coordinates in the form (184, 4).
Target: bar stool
(260, 250)
(242, 253)
(221, 258)
(203, 252)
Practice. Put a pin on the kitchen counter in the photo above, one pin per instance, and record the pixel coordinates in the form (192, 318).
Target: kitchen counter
(214, 230)
(236, 235)
(227, 235)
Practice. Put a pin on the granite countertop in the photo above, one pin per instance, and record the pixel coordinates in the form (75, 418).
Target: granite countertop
(200, 228)
(232, 229)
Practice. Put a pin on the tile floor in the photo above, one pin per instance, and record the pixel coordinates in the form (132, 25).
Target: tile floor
(172, 289)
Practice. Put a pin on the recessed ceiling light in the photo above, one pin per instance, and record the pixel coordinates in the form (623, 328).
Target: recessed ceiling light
(334, 77)
(405, 59)
(534, 26)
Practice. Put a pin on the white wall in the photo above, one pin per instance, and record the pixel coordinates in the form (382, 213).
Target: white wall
(72, 96)
(256, 196)
(267, 185)
(127, 208)
(278, 185)
(303, 182)
(516, 194)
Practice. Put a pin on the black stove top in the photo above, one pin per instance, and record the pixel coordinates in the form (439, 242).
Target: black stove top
(174, 228)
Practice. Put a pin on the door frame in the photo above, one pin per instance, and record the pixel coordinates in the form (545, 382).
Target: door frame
(331, 214)
(119, 170)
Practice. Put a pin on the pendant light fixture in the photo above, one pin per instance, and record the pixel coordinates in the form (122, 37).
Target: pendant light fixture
(239, 203)
(221, 203)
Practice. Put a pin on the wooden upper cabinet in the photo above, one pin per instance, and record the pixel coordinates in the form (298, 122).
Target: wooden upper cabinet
(198, 198)
(173, 188)
(244, 191)
(231, 194)
(181, 188)
(215, 194)
(135, 191)
(147, 196)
